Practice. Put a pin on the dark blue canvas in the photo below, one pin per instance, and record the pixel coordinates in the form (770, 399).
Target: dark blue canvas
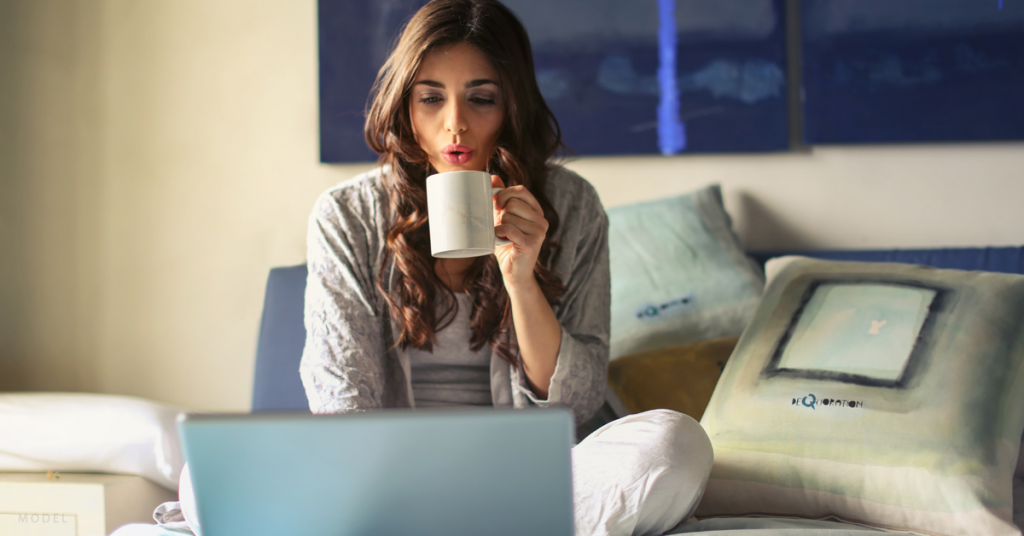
(617, 78)
(354, 38)
(912, 70)
(659, 76)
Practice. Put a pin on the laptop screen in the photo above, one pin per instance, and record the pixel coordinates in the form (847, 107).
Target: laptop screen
(393, 472)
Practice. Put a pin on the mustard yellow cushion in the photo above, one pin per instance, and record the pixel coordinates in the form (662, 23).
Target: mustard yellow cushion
(680, 377)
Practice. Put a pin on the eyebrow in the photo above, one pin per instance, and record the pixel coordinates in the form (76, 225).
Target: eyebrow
(471, 84)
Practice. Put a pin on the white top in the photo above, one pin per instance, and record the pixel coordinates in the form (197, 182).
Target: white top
(452, 374)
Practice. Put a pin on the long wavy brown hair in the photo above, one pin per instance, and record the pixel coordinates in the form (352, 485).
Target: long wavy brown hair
(529, 138)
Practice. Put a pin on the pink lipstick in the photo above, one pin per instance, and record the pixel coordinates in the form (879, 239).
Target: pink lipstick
(457, 153)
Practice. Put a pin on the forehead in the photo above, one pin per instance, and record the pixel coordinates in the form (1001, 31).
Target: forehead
(456, 63)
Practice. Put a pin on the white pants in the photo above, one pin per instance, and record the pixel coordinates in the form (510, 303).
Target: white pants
(638, 475)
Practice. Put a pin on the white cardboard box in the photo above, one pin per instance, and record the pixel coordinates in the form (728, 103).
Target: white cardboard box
(75, 504)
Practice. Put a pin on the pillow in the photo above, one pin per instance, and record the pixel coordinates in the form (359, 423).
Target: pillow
(679, 274)
(882, 394)
(679, 378)
(90, 433)
(989, 259)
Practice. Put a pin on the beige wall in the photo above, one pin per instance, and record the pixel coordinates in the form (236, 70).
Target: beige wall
(158, 157)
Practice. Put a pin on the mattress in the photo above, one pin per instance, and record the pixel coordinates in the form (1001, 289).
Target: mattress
(765, 526)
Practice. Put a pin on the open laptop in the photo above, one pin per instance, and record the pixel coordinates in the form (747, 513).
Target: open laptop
(384, 473)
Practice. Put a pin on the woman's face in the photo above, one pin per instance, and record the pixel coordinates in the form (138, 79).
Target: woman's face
(456, 108)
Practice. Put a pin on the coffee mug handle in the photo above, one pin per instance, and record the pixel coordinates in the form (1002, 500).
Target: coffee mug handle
(499, 241)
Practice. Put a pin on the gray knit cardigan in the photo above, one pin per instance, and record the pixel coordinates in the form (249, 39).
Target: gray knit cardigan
(350, 361)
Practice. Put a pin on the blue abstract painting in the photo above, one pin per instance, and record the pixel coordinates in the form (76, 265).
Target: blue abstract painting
(912, 70)
(644, 77)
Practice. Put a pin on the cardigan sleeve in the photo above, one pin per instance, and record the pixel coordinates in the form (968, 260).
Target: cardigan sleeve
(342, 366)
(581, 370)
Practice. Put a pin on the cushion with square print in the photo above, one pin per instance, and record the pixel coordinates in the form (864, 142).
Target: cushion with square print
(679, 274)
(882, 394)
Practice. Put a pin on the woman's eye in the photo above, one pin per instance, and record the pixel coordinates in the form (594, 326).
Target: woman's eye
(430, 100)
(482, 100)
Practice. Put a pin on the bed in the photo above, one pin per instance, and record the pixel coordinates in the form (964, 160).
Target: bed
(679, 275)
(277, 386)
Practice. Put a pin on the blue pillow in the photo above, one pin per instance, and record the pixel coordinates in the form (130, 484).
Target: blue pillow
(679, 274)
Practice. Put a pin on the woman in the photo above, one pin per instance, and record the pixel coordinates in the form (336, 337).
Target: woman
(440, 105)
(390, 326)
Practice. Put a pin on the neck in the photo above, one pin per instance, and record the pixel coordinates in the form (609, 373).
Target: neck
(453, 272)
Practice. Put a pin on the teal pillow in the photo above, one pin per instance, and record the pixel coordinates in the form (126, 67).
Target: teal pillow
(883, 394)
(679, 274)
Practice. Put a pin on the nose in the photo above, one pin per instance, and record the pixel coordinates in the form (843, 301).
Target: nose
(455, 117)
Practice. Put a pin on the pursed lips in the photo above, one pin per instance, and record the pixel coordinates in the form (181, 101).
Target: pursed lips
(457, 153)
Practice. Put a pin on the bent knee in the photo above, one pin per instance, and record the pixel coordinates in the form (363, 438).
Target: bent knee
(663, 436)
(682, 438)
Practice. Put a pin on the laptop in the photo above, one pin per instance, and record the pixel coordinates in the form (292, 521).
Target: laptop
(383, 473)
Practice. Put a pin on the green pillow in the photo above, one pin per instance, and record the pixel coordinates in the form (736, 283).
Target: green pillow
(882, 394)
(679, 274)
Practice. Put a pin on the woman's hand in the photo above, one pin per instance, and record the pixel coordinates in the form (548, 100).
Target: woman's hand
(521, 221)
(538, 332)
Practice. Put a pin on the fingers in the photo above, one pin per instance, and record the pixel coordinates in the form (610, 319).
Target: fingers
(520, 215)
(517, 207)
(520, 192)
(532, 226)
(516, 235)
(522, 225)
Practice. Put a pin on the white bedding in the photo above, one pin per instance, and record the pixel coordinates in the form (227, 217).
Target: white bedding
(78, 432)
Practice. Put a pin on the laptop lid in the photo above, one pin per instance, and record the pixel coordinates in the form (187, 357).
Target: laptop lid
(395, 472)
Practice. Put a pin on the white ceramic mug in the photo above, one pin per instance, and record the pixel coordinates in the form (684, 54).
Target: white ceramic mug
(461, 214)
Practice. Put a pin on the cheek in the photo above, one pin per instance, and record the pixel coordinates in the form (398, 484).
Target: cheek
(426, 124)
(494, 127)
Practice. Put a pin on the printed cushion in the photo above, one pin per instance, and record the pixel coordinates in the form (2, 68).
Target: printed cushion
(882, 394)
(679, 274)
(679, 378)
